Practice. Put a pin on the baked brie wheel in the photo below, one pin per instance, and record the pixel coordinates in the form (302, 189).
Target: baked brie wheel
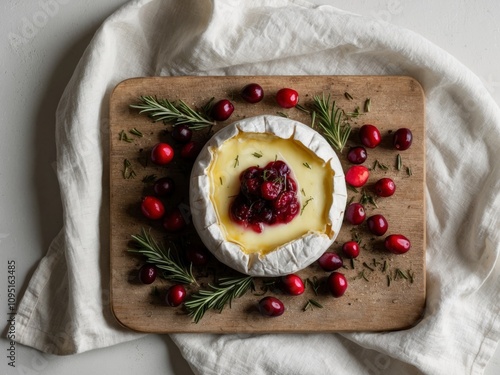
(314, 176)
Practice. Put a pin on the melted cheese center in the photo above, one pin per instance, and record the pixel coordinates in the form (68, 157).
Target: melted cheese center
(314, 178)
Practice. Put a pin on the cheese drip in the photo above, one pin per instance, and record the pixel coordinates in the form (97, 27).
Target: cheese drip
(314, 178)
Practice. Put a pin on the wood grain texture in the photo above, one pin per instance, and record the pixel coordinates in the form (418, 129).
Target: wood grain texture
(371, 303)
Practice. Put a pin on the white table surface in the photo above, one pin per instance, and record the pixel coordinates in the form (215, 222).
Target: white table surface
(33, 76)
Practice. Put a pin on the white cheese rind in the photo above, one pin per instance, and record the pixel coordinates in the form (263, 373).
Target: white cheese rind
(292, 256)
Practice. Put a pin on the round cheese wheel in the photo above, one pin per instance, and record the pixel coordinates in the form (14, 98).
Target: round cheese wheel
(280, 249)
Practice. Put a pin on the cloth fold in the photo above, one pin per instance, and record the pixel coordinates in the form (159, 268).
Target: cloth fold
(66, 306)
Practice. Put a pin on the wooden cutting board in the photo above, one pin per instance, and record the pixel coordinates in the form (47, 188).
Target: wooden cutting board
(386, 291)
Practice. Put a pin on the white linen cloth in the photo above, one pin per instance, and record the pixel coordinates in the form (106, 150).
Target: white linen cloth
(65, 309)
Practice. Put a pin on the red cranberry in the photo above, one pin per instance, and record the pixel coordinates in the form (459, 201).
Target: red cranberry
(369, 135)
(182, 133)
(279, 166)
(270, 190)
(222, 110)
(190, 150)
(147, 274)
(271, 306)
(240, 210)
(385, 187)
(402, 139)
(164, 186)
(174, 221)
(176, 295)
(357, 175)
(152, 208)
(287, 98)
(293, 284)
(330, 261)
(357, 155)
(397, 243)
(355, 213)
(377, 224)
(162, 153)
(250, 172)
(252, 93)
(351, 249)
(198, 256)
(283, 200)
(337, 284)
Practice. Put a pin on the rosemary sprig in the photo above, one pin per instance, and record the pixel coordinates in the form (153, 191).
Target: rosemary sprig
(176, 113)
(332, 121)
(164, 259)
(218, 296)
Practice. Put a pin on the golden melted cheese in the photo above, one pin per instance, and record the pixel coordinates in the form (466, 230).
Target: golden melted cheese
(314, 178)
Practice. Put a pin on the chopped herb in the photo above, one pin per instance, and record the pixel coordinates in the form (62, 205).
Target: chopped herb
(367, 105)
(376, 164)
(282, 114)
(236, 161)
(305, 204)
(384, 267)
(122, 136)
(399, 163)
(258, 154)
(350, 200)
(356, 237)
(352, 263)
(367, 198)
(314, 283)
(136, 132)
(348, 96)
(400, 273)
(367, 266)
(303, 192)
(361, 275)
(310, 303)
(128, 172)
(408, 171)
(306, 164)
(220, 180)
(389, 280)
(352, 188)
(410, 275)
(354, 113)
(149, 179)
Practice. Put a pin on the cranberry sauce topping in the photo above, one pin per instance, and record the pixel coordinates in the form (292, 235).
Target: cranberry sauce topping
(267, 196)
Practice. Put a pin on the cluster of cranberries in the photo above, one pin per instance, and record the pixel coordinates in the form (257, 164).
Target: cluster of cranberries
(162, 154)
(357, 176)
(267, 196)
